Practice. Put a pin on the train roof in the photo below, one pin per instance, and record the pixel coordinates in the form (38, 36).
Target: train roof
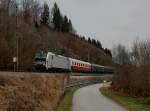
(110, 67)
(83, 62)
(51, 53)
(79, 61)
(97, 65)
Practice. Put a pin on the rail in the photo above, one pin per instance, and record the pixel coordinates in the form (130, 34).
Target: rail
(81, 84)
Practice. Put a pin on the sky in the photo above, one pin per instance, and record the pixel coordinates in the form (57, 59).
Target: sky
(110, 21)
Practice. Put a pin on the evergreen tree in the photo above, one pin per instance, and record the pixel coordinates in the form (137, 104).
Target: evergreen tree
(89, 40)
(45, 15)
(108, 52)
(99, 45)
(65, 24)
(57, 18)
(94, 42)
(82, 38)
(70, 26)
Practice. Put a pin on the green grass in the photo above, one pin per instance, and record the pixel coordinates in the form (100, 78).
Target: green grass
(66, 103)
(134, 104)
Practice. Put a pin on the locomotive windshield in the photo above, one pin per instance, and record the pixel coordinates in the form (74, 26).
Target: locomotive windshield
(40, 56)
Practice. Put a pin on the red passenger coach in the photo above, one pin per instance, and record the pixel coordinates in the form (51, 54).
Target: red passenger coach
(80, 66)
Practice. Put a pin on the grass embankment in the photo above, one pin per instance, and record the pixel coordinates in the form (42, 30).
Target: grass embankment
(30, 91)
(134, 104)
(66, 103)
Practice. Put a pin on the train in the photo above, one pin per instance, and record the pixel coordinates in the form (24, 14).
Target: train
(52, 62)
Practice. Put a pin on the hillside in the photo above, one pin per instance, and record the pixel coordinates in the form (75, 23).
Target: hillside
(30, 36)
(32, 41)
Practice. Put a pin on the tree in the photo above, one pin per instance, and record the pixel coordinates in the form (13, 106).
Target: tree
(108, 52)
(99, 45)
(36, 9)
(121, 55)
(57, 18)
(89, 40)
(45, 15)
(65, 24)
(27, 10)
(70, 27)
(94, 42)
(141, 52)
(83, 38)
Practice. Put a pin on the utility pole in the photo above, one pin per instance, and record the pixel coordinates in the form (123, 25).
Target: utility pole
(17, 61)
(88, 56)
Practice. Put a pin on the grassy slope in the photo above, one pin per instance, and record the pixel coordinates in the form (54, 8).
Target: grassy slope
(66, 103)
(129, 102)
(30, 91)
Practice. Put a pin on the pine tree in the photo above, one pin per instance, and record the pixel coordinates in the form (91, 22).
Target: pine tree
(45, 15)
(57, 18)
(89, 40)
(99, 45)
(94, 42)
(65, 24)
(108, 52)
(70, 26)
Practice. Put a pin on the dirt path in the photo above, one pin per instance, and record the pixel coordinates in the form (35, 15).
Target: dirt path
(90, 99)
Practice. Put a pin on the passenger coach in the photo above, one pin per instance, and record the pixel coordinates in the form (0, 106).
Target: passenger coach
(79, 66)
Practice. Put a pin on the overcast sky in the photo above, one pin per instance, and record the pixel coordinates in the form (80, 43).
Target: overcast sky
(110, 21)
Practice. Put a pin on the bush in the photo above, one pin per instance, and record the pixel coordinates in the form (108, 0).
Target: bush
(132, 80)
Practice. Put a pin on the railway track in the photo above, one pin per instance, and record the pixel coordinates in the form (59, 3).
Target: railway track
(81, 84)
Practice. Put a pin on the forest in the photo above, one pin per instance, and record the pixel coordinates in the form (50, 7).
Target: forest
(27, 26)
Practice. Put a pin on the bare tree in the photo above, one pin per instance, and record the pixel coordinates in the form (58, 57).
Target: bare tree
(27, 10)
(121, 55)
(6, 10)
(36, 10)
(141, 52)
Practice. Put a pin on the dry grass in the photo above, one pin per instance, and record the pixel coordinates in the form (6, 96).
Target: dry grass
(30, 92)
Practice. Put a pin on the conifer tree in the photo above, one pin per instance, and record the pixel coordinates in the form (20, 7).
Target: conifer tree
(65, 24)
(99, 45)
(45, 15)
(89, 40)
(57, 18)
(70, 27)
